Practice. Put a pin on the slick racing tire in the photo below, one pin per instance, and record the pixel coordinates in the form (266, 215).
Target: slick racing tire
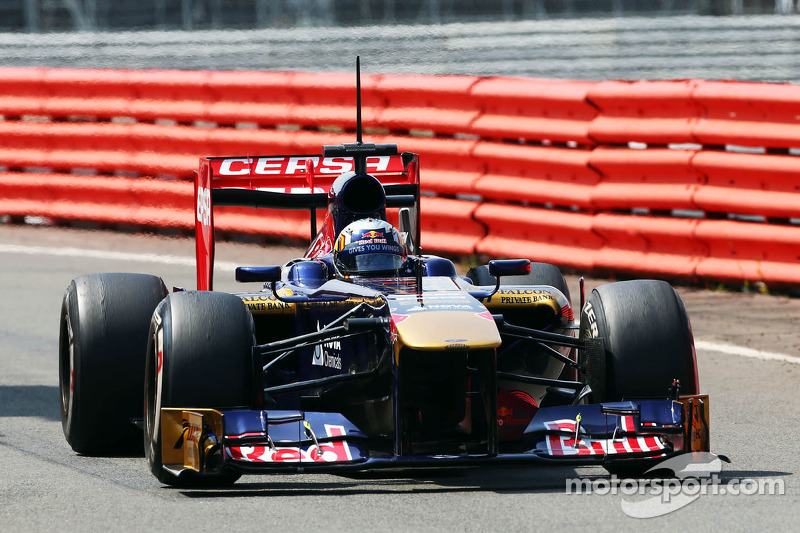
(102, 348)
(199, 355)
(541, 274)
(646, 341)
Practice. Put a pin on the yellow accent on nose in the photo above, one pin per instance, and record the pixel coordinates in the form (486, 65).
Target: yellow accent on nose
(433, 330)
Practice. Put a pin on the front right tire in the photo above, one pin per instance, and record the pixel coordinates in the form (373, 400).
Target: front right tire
(647, 339)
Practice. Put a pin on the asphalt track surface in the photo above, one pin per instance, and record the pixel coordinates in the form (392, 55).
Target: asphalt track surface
(44, 485)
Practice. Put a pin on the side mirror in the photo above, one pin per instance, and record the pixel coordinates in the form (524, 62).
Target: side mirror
(405, 226)
(509, 267)
(265, 274)
(500, 268)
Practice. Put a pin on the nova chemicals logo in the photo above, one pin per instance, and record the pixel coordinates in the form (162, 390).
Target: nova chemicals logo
(328, 354)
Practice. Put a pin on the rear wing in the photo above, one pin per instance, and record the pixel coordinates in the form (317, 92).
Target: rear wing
(285, 182)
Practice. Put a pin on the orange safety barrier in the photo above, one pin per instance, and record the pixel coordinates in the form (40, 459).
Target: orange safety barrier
(748, 114)
(533, 110)
(147, 95)
(656, 246)
(143, 148)
(651, 112)
(536, 174)
(450, 166)
(408, 101)
(753, 184)
(283, 224)
(749, 251)
(100, 199)
(657, 178)
(152, 203)
(538, 234)
(328, 99)
(448, 225)
(690, 178)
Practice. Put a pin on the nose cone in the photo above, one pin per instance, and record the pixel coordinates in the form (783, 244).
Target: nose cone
(446, 329)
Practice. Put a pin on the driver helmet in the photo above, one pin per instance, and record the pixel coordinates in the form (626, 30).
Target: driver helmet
(368, 247)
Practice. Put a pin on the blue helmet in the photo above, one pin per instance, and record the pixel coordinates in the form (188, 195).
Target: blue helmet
(369, 248)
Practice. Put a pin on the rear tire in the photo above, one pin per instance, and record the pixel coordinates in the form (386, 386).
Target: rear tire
(648, 341)
(102, 348)
(205, 340)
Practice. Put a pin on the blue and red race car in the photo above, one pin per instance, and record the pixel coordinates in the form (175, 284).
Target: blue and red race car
(367, 353)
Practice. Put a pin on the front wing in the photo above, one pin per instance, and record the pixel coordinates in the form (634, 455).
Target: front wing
(206, 441)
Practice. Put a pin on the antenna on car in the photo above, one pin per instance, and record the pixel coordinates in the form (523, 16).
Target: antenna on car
(358, 102)
(359, 150)
(359, 163)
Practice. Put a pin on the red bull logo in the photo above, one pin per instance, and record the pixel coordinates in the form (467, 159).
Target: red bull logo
(371, 234)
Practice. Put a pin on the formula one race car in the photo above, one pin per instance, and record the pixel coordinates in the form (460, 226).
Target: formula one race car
(366, 353)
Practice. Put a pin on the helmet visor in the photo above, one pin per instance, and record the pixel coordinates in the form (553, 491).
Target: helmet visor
(371, 258)
(377, 262)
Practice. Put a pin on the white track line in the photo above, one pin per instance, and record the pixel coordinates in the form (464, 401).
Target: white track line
(110, 255)
(729, 349)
